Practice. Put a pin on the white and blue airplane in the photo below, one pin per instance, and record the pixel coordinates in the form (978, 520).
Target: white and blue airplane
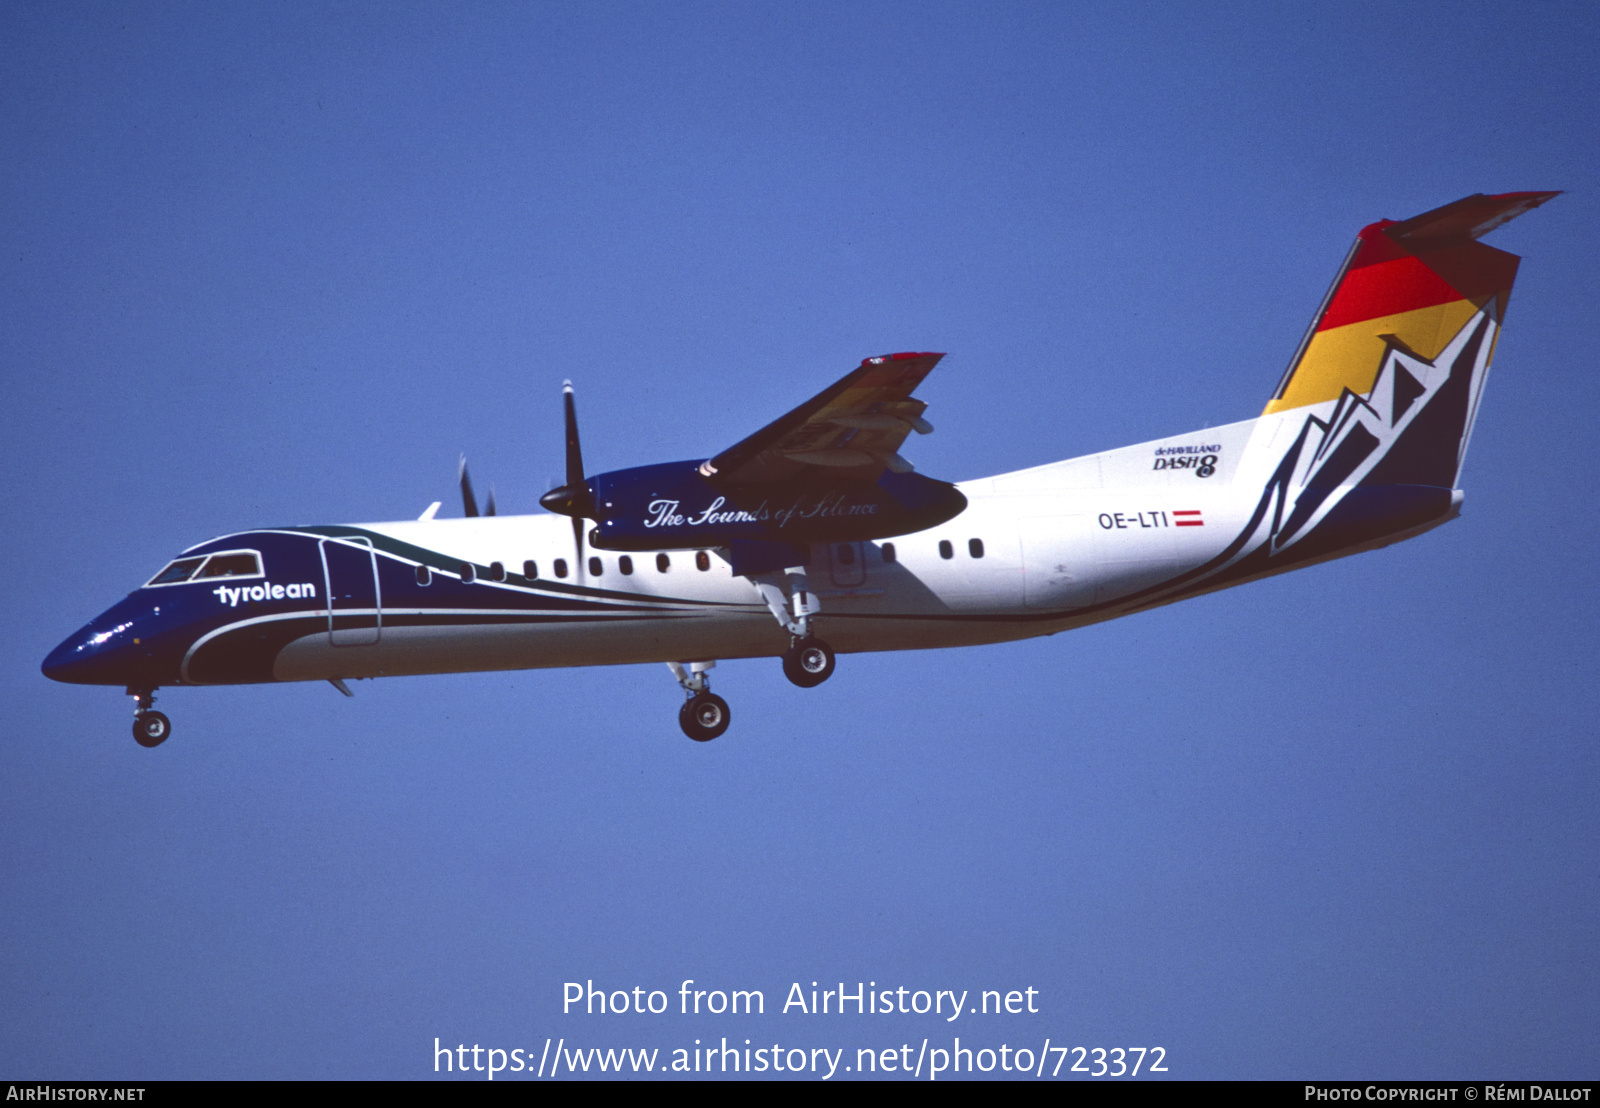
(814, 536)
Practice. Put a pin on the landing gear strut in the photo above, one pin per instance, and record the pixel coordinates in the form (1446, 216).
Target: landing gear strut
(150, 728)
(704, 714)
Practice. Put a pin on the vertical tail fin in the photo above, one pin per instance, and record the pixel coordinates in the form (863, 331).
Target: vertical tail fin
(1409, 294)
(1362, 443)
(1418, 281)
(1382, 394)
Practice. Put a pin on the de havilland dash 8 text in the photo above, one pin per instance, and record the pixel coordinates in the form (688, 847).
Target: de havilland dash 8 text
(814, 536)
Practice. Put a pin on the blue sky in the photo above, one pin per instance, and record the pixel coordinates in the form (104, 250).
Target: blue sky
(283, 263)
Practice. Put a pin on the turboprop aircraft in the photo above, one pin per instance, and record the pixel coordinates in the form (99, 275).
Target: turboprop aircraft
(814, 536)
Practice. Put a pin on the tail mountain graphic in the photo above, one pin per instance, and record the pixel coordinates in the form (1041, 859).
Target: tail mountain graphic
(1380, 466)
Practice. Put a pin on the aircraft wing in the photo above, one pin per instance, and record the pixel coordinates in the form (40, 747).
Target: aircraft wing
(851, 430)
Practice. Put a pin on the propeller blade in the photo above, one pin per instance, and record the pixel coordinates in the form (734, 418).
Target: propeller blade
(574, 453)
(468, 502)
(573, 498)
(488, 509)
(578, 498)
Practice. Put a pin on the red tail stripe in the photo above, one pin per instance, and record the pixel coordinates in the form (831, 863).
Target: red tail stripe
(1388, 288)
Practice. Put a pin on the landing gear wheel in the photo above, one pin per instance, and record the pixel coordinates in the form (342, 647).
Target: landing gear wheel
(703, 717)
(808, 663)
(151, 728)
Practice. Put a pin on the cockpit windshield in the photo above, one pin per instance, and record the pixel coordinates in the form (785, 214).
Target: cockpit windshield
(227, 563)
(180, 570)
(236, 564)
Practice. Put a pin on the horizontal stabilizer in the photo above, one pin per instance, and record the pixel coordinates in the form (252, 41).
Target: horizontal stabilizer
(1466, 219)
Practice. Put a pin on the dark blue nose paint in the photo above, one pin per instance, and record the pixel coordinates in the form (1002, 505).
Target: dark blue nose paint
(119, 647)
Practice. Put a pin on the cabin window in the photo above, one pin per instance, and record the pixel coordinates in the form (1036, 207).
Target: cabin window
(595, 568)
(975, 547)
(662, 562)
(424, 575)
(888, 553)
(561, 567)
(702, 560)
(946, 550)
(497, 571)
(177, 571)
(625, 565)
(530, 569)
(846, 553)
(468, 573)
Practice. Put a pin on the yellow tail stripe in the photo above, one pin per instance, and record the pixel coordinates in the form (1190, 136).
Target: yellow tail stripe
(1349, 357)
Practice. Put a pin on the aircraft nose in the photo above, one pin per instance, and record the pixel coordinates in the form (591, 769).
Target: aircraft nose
(58, 663)
(99, 653)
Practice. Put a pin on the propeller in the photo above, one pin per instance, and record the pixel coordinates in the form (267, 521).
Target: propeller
(469, 502)
(573, 498)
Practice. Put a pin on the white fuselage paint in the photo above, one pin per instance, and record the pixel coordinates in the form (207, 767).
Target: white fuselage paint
(1061, 545)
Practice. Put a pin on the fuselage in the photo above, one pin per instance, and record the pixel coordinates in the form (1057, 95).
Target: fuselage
(1034, 552)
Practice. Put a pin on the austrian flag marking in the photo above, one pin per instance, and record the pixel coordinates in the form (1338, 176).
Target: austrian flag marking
(1188, 519)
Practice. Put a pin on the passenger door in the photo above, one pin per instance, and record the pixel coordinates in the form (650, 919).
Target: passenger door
(355, 607)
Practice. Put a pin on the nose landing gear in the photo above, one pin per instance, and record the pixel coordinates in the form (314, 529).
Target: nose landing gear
(704, 714)
(150, 728)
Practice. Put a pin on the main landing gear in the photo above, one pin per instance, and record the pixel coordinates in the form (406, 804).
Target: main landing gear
(809, 661)
(704, 714)
(150, 728)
